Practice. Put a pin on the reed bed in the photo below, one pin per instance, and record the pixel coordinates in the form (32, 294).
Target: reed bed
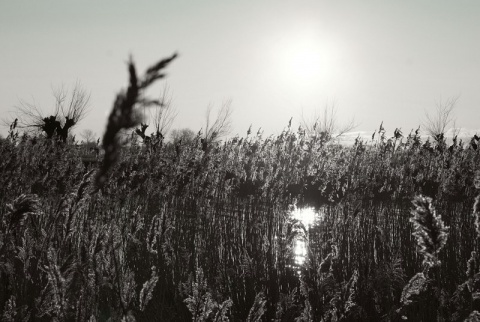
(183, 233)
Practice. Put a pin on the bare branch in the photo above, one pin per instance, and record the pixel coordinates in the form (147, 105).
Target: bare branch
(88, 136)
(435, 124)
(222, 124)
(63, 117)
(182, 135)
(78, 105)
(29, 114)
(165, 113)
(327, 124)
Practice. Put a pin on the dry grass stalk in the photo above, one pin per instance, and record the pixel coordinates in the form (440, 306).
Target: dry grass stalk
(124, 116)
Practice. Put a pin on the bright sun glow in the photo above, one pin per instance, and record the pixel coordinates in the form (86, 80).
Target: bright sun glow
(306, 60)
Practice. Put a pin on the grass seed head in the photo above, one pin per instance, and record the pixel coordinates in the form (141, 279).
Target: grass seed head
(429, 230)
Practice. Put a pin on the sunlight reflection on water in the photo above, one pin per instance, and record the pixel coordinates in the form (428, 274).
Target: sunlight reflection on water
(300, 252)
(307, 216)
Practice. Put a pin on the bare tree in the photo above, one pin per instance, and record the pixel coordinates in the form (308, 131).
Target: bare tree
(164, 114)
(325, 124)
(161, 117)
(88, 136)
(222, 125)
(436, 123)
(182, 135)
(70, 108)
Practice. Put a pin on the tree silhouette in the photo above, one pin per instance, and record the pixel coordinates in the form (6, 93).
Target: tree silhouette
(70, 108)
(324, 124)
(436, 123)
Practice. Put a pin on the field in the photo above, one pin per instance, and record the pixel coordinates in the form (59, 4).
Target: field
(203, 230)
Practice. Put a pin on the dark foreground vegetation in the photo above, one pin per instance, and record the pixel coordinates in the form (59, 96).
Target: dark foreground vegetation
(202, 230)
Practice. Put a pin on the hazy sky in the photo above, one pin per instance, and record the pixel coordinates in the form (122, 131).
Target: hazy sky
(375, 60)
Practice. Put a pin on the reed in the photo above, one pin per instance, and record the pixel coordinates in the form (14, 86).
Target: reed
(119, 239)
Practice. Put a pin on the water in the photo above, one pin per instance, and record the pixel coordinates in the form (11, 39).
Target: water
(307, 216)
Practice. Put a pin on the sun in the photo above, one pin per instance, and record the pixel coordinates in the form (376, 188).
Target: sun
(306, 59)
(305, 62)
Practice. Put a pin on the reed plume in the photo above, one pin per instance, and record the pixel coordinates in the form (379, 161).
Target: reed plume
(429, 230)
(476, 214)
(21, 207)
(123, 115)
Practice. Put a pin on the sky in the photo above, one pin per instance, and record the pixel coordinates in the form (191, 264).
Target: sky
(374, 61)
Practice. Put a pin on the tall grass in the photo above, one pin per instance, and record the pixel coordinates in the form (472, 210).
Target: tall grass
(175, 234)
